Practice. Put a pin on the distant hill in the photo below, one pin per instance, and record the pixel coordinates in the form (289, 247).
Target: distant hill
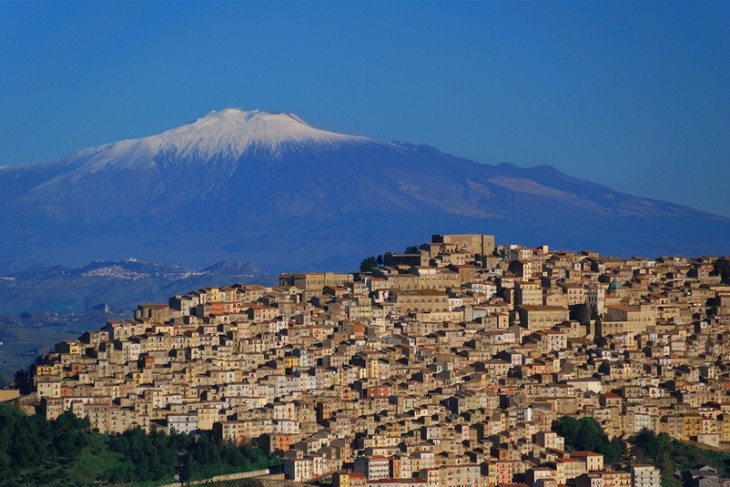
(117, 285)
(270, 189)
(43, 305)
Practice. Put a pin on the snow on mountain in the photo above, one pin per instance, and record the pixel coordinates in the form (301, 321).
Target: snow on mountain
(231, 132)
(224, 134)
(221, 138)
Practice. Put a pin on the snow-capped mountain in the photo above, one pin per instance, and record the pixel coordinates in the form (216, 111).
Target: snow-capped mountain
(290, 195)
(231, 132)
(221, 135)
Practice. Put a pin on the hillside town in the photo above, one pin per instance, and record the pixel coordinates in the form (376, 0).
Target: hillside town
(445, 365)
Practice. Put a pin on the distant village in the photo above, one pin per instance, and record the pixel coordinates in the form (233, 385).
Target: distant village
(442, 366)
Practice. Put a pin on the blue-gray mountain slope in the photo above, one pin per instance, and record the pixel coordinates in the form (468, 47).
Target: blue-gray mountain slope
(273, 190)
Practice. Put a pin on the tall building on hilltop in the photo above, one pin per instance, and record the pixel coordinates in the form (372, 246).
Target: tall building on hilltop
(473, 243)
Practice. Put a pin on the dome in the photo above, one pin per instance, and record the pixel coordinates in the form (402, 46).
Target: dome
(615, 286)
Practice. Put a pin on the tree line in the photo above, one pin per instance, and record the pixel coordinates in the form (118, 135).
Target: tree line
(666, 453)
(670, 455)
(34, 451)
(586, 434)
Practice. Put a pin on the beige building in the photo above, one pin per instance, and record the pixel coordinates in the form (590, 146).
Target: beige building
(314, 282)
(434, 278)
(626, 319)
(645, 476)
(373, 467)
(528, 294)
(575, 292)
(537, 318)
(421, 300)
(593, 461)
(473, 243)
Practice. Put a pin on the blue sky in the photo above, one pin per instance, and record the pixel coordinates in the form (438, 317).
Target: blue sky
(632, 95)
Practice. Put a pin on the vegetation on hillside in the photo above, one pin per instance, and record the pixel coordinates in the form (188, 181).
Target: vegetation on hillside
(586, 434)
(34, 451)
(671, 456)
(667, 454)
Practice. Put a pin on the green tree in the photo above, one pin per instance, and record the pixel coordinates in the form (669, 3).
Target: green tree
(612, 452)
(587, 434)
(591, 436)
(23, 381)
(34, 451)
(652, 445)
(368, 264)
(581, 312)
(188, 469)
(567, 427)
(232, 455)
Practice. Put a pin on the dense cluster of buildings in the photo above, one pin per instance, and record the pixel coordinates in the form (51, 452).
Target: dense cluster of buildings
(444, 366)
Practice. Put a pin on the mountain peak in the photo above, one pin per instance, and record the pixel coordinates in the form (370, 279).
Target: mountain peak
(232, 131)
(238, 115)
